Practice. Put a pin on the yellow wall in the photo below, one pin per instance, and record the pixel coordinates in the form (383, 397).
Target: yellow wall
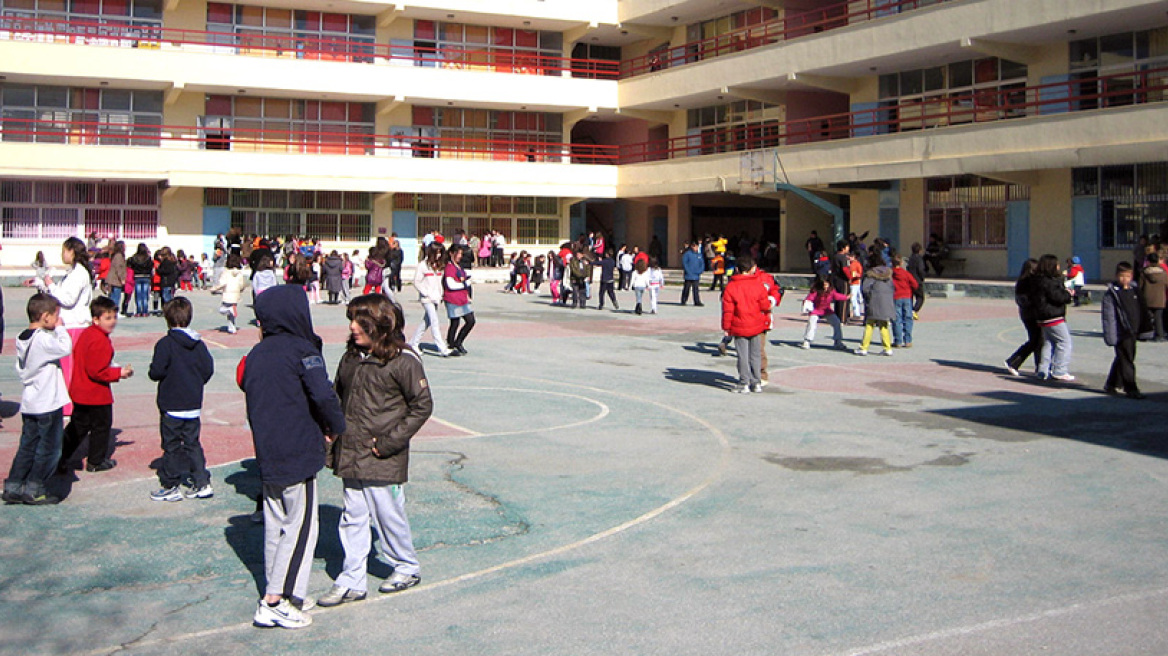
(799, 219)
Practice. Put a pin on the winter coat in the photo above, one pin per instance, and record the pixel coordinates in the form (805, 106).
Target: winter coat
(141, 266)
(93, 355)
(333, 270)
(694, 264)
(264, 280)
(167, 272)
(878, 294)
(1049, 299)
(904, 284)
(1121, 313)
(232, 282)
(428, 282)
(386, 404)
(1023, 292)
(74, 293)
(822, 301)
(117, 271)
(746, 306)
(916, 266)
(1154, 287)
(38, 363)
(181, 366)
(290, 401)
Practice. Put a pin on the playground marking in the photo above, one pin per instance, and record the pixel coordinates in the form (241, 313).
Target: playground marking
(716, 473)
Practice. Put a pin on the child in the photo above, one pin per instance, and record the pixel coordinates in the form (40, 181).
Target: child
(878, 302)
(38, 362)
(821, 301)
(905, 287)
(1121, 327)
(232, 282)
(181, 366)
(1076, 279)
(855, 280)
(1153, 286)
(607, 266)
(656, 282)
(746, 308)
(265, 275)
(93, 400)
(291, 407)
(383, 388)
(640, 282)
(537, 273)
(39, 266)
(718, 265)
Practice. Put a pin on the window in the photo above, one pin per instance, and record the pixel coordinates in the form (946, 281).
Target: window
(1133, 200)
(1110, 57)
(487, 134)
(58, 209)
(282, 125)
(47, 114)
(969, 211)
(141, 13)
(293, 34)
(480, 47)
(325, 215)
(523, 219)
(741, 125)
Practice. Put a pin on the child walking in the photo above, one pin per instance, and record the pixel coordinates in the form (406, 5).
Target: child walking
(181, 366)
(640, 282)
(905, 287)
(382, 386)
(291, 407)
(38, 362)
(878, 303)
(231, 283)
(656, 282)
(93, 400)
(1121, 327)
(821, 302)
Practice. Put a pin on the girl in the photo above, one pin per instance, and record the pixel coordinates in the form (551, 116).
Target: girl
(878, 302)
(1034, 341)
(513, 265)
(656, 282)
(822, 301)
(265, 275)
(537, 273)
(522, 272)
(333, 272)
(456, 295)
(383, 388)
(116, 280)
(74, 293)
(314, 278)
(640, 282)
(555, 274)
(374, 270)
(143, 267)
(186, 272)
(232, 282)
(40, 267)
(395, 256)
(428, 282)
(1049, 299)
(346, 277)
(167, 270)
(485, 251)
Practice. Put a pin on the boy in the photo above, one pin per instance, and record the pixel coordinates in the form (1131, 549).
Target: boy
(1121, 326)
(1076, 279)
(38, 361)
(291, 407)
(182, 365)
(746, 308)
(93, 400)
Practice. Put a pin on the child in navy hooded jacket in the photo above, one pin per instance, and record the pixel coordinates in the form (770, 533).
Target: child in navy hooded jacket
(291, 408)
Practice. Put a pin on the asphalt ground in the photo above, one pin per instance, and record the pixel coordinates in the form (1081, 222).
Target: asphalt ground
(589, 485)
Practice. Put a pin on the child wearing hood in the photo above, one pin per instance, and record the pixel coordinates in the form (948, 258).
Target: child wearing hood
(181, 366)
(879, 305)
(1153, 284)
(293, 413)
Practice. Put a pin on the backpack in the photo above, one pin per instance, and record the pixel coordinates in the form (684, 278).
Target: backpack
(373, 275)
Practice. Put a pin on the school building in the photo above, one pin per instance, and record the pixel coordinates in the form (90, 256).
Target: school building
(1009, 127)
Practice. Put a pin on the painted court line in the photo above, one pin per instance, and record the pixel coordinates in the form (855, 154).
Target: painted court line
(715, 474)
(958, 632)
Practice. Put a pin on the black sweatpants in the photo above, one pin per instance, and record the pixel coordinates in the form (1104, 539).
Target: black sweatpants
(693, 285)
(1123, 368)
(609, 289)
(94, 422)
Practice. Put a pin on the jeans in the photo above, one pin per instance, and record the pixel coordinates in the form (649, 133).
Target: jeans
(167, 295)
(813, 320)
(639, 292)
(429, 320)
(857, 301)
(1056, 351)
(749, 359)
(142, 295)
(902, 327)
(115, 295)
(182, 454)
(39, 452)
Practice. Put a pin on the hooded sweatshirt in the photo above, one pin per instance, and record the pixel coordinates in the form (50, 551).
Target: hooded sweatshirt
(290, 401)
(38, 363)
(182, 365)
(1152, 286)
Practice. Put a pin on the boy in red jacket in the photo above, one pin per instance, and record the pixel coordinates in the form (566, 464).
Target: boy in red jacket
(93, 400)
(746, 309)
(904, 285)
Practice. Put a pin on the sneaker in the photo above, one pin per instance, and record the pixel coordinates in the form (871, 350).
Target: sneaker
(764, 382)
(283, 615)
(167, 494)
(721, 348)
(40, 500)
(860, 352)
(231, 330)
(257, 517)
(1012, 369)
(741, 389)
(1113, 391)
(399, 582)
(916, 316)
(1066, 378)
(339, 595)
(887, 352)
(909, 345)
(840, 346)
(307, 603)
(805, 345)
(204, 492)
(756, 389)
(13, 497)
(105, 465)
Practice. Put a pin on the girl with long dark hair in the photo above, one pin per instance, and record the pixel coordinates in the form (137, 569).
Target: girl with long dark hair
(1034, 339)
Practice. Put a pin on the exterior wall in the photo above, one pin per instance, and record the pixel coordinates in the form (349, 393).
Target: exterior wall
(1050, 214)
(800, 218)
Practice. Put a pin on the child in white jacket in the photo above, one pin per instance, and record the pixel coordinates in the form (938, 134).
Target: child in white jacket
(656, 283)
(428, 282)
(231, 283)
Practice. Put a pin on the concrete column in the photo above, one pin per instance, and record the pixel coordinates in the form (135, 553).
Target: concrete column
(680, 229)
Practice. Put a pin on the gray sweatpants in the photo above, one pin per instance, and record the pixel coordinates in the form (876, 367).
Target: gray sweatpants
(383, 506)
(749, 359)
(290, 530)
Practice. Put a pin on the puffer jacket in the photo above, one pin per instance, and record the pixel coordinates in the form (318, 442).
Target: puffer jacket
(385, 404)
(1048, 299)
(1153, 284)
(878, 294)
(746, 306)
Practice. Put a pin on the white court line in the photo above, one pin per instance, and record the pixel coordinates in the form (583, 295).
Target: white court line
(715, 474)
(1003, 623)
(450, 424)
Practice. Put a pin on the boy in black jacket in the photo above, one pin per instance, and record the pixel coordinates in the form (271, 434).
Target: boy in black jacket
(1121, 326)
(293, 412)
(182, 365)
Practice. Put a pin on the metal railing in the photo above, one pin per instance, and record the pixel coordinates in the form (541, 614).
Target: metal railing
(127, 34)
(792, 26)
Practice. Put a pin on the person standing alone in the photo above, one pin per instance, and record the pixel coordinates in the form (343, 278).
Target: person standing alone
(694, 265)
(746, 307)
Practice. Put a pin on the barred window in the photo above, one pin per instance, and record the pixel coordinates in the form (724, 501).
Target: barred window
(325, 215)
(969, 211)
(58, 209)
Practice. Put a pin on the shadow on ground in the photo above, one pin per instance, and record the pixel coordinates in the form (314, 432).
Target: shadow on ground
(701, 377)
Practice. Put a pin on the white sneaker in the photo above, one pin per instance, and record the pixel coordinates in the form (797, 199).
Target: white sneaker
(764, 382)
(887, 352)
(283, 615)
(805, 345)
(1066, 378)
(1013, 371)
(167, 494)
(860, 351)
(756, 389)
(232, 330)
(204, 492)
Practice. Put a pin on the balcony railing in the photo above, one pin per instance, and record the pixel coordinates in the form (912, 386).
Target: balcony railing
(787, 28)
(126, 34)
(979, 106)
(62, 130)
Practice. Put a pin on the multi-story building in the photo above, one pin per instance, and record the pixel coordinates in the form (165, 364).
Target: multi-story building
(1008, 127)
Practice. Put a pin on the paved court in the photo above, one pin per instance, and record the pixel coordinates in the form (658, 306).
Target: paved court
(589, 486)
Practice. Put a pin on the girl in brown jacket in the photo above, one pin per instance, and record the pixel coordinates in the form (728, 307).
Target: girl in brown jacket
(383, 390)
